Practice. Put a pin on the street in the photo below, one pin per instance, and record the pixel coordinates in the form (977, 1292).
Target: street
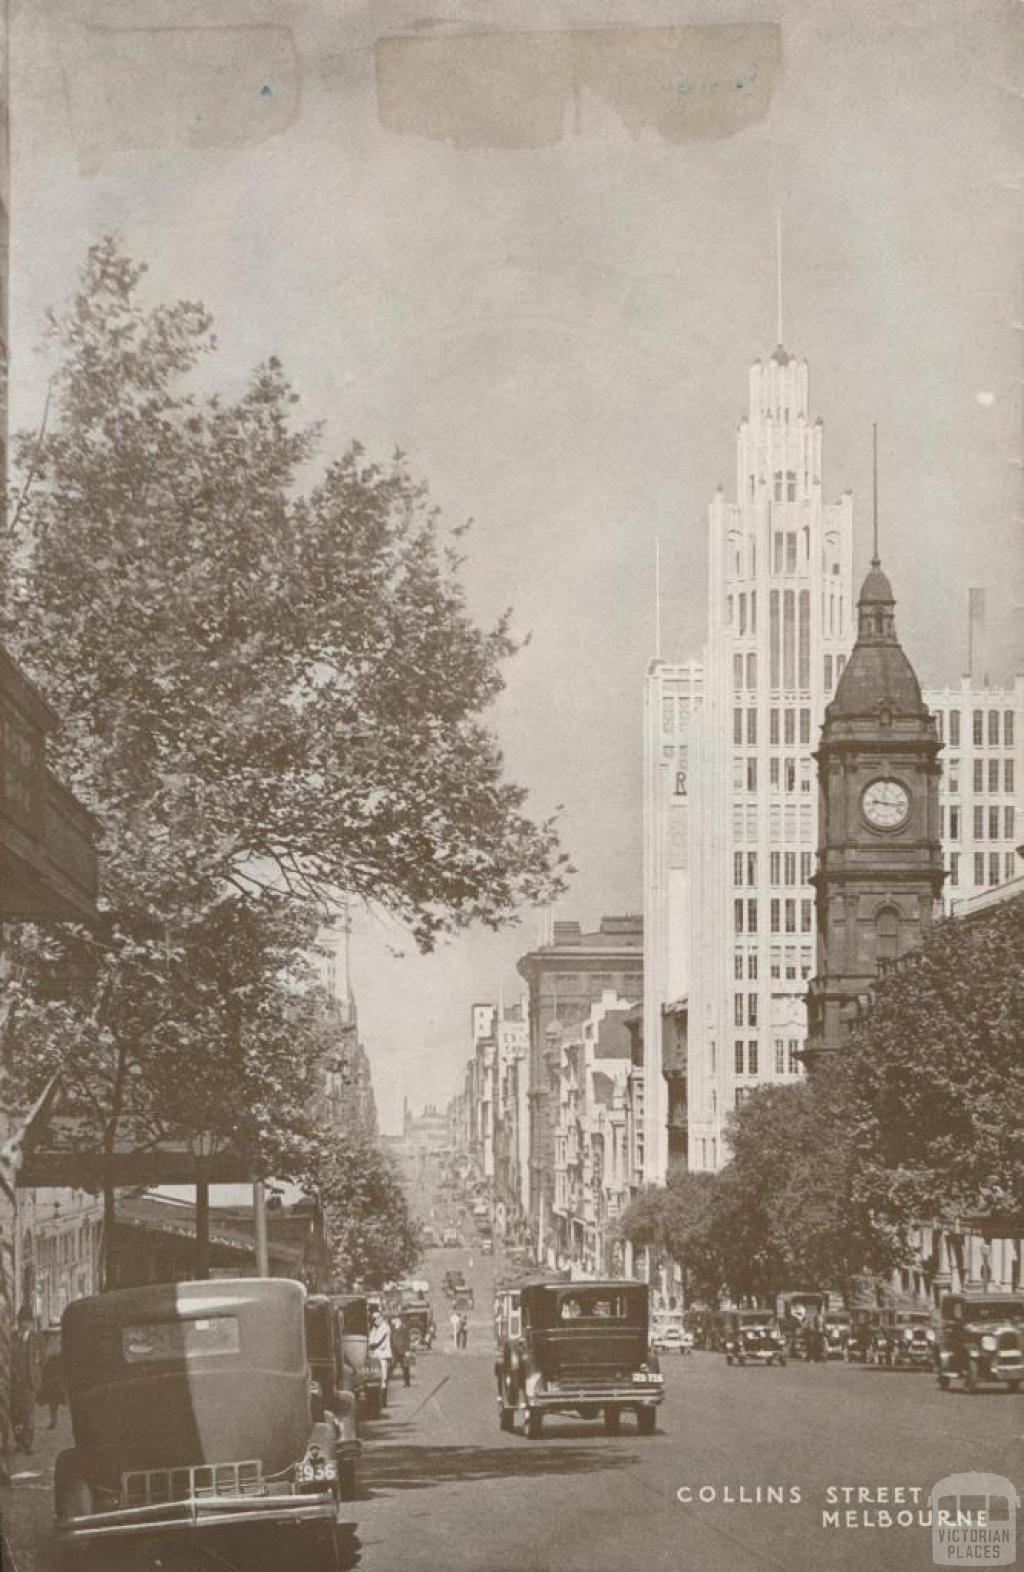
(445, 1489)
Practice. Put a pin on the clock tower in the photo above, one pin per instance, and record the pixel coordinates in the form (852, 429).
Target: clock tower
(879, 872)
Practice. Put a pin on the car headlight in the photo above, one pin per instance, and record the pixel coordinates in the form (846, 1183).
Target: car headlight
(989, 1343)
(930, 1335)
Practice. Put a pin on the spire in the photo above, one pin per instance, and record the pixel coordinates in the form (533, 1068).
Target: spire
(778, 277)
(876, 561)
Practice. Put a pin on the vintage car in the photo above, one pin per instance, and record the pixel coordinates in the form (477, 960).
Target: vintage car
(702, 1324)
(868, 1342)
(486, 1245)
(800, 1313)
(982, 1340)
(575, 1348)
(450, 1238)
(837, 1326)
(419, 1319)
(453, 1281)
(462, 1299)
(191, 1413)
(331, 1399)
(362, 1375)
(909, 1338)
(751, 1337)
(669, 1334)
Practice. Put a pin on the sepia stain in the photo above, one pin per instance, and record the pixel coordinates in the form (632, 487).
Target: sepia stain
(514, 90)
(129, 89)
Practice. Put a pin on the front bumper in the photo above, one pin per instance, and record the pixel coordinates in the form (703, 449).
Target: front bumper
(192, 1515)
(1005, 1370)
(579, 1395)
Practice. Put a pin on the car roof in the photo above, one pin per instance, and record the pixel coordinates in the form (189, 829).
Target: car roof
(124, 1306)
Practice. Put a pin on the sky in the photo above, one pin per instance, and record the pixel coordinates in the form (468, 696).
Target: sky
(533, 245)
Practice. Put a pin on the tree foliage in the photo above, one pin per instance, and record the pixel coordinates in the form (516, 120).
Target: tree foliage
(371, 1234)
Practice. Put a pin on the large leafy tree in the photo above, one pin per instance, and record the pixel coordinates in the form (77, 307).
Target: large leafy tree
(933, 1077)
(269, 695)
(372, 1236)
(675, 1220)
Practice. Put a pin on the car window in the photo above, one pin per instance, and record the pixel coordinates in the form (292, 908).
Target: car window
(173, 1340)
(593, 1305)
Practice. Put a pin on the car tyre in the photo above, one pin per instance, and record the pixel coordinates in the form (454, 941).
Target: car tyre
(728, 1359)
(347, 1485)
(971, 1377)
(72, 1492)
(534, 1423)
(943, 1380)
(506, 1419)
(646, 1420)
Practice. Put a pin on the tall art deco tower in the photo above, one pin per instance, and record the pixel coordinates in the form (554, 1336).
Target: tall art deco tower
(780, 626)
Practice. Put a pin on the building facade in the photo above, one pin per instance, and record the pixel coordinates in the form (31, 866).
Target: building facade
(780, 626)
(564, 978)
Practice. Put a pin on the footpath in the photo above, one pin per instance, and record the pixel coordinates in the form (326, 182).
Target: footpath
(26, 1504)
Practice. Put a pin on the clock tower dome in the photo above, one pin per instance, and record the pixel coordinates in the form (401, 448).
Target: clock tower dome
(879, 861)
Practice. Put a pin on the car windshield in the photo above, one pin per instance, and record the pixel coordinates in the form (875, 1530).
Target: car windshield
(996, 1310)
(592, 1305)
(163, 1341)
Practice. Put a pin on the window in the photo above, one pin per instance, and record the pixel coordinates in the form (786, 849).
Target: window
(887, 934)
(737, 773)
(775, 865)
(993, 867)
(993, 824)
(738, 1060)
(828, 674)
(751, 916)
(805, 963)
(773, 771)
(777, 552)
(752, 1058)
(737, 1009)
(806, 868)
(790, 867)
(805, 725)
(794, 1062)
(791, 916)
(993, 775)
(1008, 775)
(791, 775)
(737, 727)
(776, 961)
(954, 728)
(780, 1056)
(775, 917)
(954, 823)
(790, 963)
(752, 728)
(752, 1007)
(979, 867)
(954, 869)
(773, 727)
(979, 728)
(1008, 865)
(939, 718)
(979, 775)
(1008, 818)
(751, 660)
(737, 907)
(803, 675)
(979, 824)
(737, 671)
(805, 916)
(774, 644)
(752, 867)
(728, 611)
(789, 727)
(752, 965)
(751, 774)
(788, 639)
(1008, 728)
(805, 775)
(737, 867)
(790, 551)
(743, 613)
(993, 728)
(737, 965)
(753, 594)
(954, 776)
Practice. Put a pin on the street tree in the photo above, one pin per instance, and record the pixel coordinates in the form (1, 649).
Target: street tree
(371, 1235)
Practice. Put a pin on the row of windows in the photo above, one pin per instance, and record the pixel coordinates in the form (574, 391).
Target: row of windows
(783, 725)
(988, 824)
(782, 916)
(983, 779)
(980, 731)
(782, 867)
(840, 666)
(745, 1057)
(1009, 862)
(783, 774)
(745, 961)
(744, 1009)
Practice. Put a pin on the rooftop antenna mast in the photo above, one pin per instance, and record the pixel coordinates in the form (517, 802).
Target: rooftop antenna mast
(875, 559)
(778, 277)
(657, 598)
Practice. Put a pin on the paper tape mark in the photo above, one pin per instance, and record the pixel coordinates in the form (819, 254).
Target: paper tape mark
(517, 90)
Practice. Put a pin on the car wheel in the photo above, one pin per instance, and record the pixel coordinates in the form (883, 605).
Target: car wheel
(728, 1359)
(943, 1380)
(347, 1481)
(646, 1419)
(534, 1423)
(72, 1492)
(740, 1360)
(612, 1417)
(506, 1418)
(971, 1377)
(782, 1359)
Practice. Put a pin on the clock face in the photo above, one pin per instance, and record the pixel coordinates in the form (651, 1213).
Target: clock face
(886, 804)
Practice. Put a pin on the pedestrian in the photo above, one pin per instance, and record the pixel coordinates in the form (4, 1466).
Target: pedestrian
(379, 1348)
(400, 1348)
(26, 1376)
(455, 1321)
(51, 1389)
(463, 1337)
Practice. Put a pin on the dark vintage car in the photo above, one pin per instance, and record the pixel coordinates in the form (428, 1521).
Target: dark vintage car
(909, 1339)
(462, 1299)
(454, 1279)
(751, 1337)
(575, 1348)
(800, 1312)
(868, 1341)
(419, 1319)
(837, 1326)
(982, 1340)
(362, 1375)
(331, 1399)
(191, 1412)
